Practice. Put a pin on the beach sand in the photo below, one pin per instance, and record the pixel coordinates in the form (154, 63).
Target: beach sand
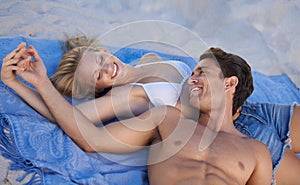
(8, 177)
(265, 33)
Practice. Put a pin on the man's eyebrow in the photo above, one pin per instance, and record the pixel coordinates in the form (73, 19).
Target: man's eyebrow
(201, 68)
(197, 68)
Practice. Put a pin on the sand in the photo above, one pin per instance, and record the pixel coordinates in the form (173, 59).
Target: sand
(265, 33)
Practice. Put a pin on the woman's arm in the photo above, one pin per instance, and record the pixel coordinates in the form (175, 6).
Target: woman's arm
(10, 64)
(116, 137)
(119, 137)
(124, 102)
(33, 99)
(148, 58)
(121, 102)
(295, 129)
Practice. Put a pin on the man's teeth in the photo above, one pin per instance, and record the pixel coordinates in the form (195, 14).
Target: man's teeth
(115, 71)
(195, 89)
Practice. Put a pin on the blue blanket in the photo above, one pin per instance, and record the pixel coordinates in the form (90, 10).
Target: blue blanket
(42, 149)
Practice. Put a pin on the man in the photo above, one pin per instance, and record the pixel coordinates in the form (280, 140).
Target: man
(182, 151)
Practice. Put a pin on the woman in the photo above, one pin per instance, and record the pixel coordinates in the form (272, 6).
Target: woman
(87, 72)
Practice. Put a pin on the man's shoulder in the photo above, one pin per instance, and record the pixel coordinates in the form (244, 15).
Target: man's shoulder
(257, 146)
(164, 113)
(168, 118)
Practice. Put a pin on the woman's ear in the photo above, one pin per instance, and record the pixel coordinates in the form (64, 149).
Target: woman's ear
(231, 83)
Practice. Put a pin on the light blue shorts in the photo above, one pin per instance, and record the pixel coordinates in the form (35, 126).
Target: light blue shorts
(268, 123)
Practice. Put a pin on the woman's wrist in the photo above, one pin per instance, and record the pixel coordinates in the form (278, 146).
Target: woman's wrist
(42, 83)
(12, 83)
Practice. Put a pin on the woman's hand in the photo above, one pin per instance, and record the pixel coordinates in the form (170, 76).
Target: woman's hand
(34, 72)
(9, 65)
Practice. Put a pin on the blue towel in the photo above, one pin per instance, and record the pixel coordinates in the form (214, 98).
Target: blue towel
(276, 89)
(39, 147)
(43, 150)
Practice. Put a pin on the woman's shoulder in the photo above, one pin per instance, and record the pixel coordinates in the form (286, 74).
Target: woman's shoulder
(149, 58)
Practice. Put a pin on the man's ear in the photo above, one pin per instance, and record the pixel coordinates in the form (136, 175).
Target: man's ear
(231, 83)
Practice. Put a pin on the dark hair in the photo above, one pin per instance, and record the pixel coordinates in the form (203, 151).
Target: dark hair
(233, 65)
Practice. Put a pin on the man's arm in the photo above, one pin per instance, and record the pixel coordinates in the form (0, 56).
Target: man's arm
(262, 173)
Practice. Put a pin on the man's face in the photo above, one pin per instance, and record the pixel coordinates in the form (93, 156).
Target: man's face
(206, 86)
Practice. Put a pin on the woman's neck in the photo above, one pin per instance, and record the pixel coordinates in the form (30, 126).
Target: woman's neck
(131, 75)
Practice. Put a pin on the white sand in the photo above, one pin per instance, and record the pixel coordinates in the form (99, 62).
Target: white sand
(266, 33)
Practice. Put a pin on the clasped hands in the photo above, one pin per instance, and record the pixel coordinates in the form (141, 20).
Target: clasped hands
(24, 62)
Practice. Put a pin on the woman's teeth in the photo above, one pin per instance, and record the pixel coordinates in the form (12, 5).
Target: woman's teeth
(115, 70)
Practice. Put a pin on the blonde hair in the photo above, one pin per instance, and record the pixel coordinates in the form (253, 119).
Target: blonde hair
(64, 79)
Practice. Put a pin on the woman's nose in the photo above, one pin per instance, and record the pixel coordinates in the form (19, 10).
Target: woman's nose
(103, 50)
(105, 67)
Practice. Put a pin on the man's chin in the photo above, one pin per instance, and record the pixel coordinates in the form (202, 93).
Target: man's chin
(195, 104)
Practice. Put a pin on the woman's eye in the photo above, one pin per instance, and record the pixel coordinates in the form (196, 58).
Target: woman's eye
(100, 60)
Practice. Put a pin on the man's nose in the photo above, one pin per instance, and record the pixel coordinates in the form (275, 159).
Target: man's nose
(193, 80)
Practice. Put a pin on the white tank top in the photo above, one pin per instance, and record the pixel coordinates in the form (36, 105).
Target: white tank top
(166, 93)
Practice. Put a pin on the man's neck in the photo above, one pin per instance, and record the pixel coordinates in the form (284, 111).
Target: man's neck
(219, 121)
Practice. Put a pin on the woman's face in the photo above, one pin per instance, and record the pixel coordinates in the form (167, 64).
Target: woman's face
(99, 69)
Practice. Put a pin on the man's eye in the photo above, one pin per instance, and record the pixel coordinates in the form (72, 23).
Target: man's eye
(99, 76)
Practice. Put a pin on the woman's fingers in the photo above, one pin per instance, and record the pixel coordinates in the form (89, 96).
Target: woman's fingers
(21, 45)
(32, 51)
(20, 53)
(15, 68)
(25, 62)
(11, 62)
(12, 54)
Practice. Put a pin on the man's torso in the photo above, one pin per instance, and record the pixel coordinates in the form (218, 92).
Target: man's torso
(222, 159)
